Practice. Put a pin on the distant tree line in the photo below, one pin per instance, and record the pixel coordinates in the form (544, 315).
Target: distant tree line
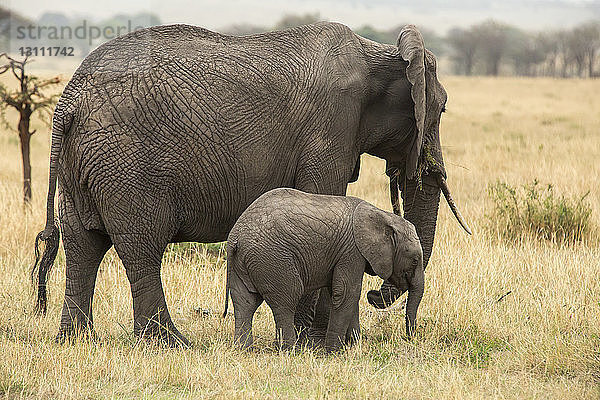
(490, 47)
(493, 48)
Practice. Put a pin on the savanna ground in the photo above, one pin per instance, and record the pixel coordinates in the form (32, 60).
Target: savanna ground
(540, 341)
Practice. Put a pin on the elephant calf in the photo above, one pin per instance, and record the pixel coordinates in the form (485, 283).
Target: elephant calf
(288, 243)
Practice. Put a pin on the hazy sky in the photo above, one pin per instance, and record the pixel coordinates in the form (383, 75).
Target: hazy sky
(435, 14)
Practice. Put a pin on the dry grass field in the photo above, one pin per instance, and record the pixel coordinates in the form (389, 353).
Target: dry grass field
(540, 341)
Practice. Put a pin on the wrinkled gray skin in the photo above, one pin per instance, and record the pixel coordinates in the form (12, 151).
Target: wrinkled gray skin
(289, 243)
(167, 134)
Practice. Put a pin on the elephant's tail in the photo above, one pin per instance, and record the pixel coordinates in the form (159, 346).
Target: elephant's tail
(39, 272)
(226, 292)
(226, 299)
(61, 123)
(231, 250)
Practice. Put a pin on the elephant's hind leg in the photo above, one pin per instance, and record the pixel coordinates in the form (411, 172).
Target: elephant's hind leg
(141, 256)
(304, 315)
(84, 251)
(245, 304)
(284, 324)
(283, 300)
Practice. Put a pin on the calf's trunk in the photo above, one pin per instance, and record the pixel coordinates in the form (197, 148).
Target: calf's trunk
(415, 294)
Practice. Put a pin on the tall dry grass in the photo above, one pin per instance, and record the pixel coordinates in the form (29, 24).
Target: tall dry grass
(499, 319)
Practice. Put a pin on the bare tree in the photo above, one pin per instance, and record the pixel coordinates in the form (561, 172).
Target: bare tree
(564, 49)
(27, 99)
(577, 49)
(547, 42)
(589, 35)
(464, 46)
(493, 39)
(527, 53)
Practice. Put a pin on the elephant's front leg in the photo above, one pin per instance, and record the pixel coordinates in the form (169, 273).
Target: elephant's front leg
(343, 318)
(384, 297)
(341, 323)
(353, 332)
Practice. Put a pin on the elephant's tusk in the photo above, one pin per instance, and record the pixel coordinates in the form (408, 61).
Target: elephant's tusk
(444, 186)
(394, 194)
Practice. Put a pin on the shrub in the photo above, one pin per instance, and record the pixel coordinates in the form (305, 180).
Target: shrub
(536, 210)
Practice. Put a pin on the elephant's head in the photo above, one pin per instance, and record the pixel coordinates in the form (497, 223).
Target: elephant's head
(402, 123)
(390, 245)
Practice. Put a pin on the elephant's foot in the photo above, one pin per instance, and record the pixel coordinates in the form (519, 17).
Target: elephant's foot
(311, 338)
(317, 336)
(352, 338)
(384, 297)
(165, 335)
(280, 345)
(303, 336)
(70, 334)
(333, 344)
(245, 345)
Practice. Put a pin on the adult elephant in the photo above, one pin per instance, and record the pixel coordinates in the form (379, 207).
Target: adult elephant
(167, 134)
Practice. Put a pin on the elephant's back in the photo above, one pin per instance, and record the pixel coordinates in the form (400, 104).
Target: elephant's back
(145, 48)
(140, 63)
(181, 79)
(176, 47)
(291, 211)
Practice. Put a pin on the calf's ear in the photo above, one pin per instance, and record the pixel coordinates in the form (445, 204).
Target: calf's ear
(374, 238)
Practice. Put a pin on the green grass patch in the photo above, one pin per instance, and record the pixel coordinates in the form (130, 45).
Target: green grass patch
(12, 389)
(536, 210)
(470, 345)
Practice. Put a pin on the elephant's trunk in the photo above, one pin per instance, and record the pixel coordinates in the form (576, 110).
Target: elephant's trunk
(421, 209)
(415, 294)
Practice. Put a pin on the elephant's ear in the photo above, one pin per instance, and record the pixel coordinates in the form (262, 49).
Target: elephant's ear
(412, 49)
(374, 237)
